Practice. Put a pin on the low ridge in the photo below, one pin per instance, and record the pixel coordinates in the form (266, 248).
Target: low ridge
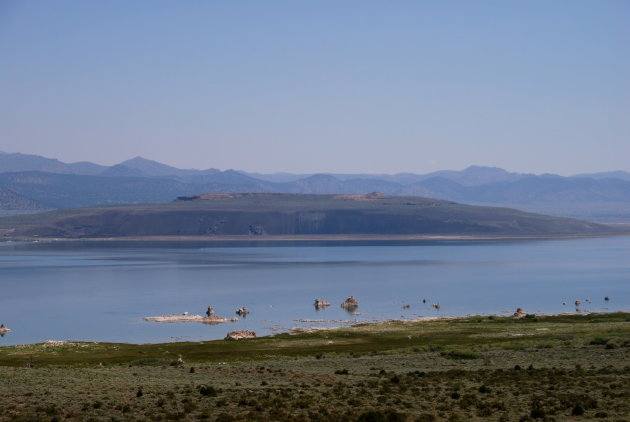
(260, 214)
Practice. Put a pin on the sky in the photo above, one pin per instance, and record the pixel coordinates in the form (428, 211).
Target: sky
(319, 86)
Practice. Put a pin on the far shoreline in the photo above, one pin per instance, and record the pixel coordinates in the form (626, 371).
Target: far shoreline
(310, 238)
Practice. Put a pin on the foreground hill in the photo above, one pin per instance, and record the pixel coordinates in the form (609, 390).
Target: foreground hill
(256, 215)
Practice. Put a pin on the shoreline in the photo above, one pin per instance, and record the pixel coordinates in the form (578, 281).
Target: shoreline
(310, 238)
(306, 330)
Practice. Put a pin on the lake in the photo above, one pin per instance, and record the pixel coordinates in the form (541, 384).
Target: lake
(100, 291)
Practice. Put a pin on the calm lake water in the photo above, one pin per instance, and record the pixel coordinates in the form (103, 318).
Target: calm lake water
(101, 291)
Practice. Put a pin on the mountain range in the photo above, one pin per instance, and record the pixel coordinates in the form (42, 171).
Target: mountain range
(33, 183)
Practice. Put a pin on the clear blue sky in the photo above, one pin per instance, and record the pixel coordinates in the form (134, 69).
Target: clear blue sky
(320, 86)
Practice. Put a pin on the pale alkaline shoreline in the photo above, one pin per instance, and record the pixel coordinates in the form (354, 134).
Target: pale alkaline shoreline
(308, 238)
(306, 330)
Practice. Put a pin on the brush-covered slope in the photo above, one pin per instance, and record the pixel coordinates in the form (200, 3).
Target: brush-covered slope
(288, 214)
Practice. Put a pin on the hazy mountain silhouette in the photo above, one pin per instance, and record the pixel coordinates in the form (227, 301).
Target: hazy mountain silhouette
(11, 162)
(49, 183)
(623, 175)
(154, 168)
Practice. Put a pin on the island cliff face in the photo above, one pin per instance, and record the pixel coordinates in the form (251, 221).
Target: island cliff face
(256, 215)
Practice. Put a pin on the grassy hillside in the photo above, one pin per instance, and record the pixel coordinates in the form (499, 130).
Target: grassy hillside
(286, 215)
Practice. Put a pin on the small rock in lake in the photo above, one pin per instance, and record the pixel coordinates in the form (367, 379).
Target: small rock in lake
(319, 304)
(242, 311)
(520, 313)
(4, 330)
(350, 304)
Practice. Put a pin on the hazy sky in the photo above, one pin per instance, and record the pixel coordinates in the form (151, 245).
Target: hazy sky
(320, 86)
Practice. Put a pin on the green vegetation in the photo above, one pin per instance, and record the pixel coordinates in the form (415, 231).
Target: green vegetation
(551, 368)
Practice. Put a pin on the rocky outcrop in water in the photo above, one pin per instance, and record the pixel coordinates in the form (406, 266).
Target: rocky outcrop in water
(242, 311)
(211, 318)
(4, 330)
(320, 304)
(188, 318)
(240, 334)
(350, 304)
(520, 313)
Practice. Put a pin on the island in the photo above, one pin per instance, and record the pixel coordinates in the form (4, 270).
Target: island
(266, 216)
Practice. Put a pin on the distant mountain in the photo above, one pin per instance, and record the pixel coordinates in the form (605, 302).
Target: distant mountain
(477, 175)
(121, 170)
(11, 201)
(441, 187)
(276, 177)
(260, 215)
(231, 178)
(138, 166)
(142, 167)
(550, 189)
(153, 168)
(471, 176)
(12, 162)
(85, 167)
(623, 175)
(50, 183)
(52, 190)
(317, 184)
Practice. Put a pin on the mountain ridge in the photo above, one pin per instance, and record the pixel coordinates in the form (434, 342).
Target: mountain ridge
(470, 176)
(141, 181)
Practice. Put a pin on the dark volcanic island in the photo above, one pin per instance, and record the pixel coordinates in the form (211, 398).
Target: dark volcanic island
(293, 216)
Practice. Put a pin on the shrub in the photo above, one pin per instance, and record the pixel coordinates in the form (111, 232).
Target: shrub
(613, 343)
(537, 413)
(484, 389)
(460, 354)
(206, 390)
(425, 417)
(190, 406)
(577, 410)
(149, 362)
(598, 341)
(388, 415)
(225, 417)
